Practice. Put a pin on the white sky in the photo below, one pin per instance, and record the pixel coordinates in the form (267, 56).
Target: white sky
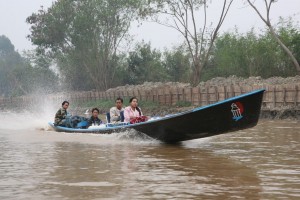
(13, 14)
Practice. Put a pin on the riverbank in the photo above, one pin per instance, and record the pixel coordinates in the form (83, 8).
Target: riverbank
(154, 109)
(280, 102)
(215, 82)
(281, 98)
(280, 114)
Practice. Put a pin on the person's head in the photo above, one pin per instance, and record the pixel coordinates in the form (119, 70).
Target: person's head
(133, 101)
(119, 103)
(65, 104)
(95, 112)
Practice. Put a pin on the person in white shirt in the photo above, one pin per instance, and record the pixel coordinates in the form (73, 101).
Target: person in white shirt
(115, 111)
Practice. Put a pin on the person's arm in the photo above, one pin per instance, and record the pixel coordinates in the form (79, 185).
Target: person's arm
(61, 114)
(145, 117)
(113, 115)
(126, 115)
(57, 117)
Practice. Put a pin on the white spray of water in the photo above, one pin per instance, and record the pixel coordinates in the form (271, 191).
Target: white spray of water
(22, 121)
(37, 115)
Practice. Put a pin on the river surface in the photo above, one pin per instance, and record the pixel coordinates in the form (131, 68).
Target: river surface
(258, 163)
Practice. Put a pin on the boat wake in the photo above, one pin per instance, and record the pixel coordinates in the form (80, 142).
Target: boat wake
(129, 136)
(133, 135)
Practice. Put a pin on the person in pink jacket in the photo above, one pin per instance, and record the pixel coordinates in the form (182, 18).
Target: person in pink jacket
(132, 111)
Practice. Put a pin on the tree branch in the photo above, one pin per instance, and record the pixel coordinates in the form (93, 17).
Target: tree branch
(257, 11)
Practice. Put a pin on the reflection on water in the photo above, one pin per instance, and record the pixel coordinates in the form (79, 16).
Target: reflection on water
(258, 163)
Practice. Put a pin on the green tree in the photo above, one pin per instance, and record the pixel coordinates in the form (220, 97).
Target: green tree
(190, 19)
(144, 64)
(84, 37)
(251, 54)
(267, 21)
(289, 33)
(177, 65)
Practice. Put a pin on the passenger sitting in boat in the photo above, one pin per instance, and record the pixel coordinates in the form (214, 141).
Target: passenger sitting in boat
(95, 120)
(133, 113)
(115, 111)
(61, 115)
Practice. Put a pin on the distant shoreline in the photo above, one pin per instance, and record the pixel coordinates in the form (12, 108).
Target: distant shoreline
(281, 99)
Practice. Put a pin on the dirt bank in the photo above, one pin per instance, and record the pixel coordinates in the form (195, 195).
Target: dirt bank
(251, 81)
(218, 81)
(282, 112)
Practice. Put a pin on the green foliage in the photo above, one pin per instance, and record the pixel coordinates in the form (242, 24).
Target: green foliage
(148, 104)
(104, 104)
(147, 64)
(177, 65)
(183, 104)
(84, 36)
(189, 18)
(249, 54)
(290, 34)
(144, 64)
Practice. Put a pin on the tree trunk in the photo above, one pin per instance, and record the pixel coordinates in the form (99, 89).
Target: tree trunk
(268, 23)
(196, 74)
(287, 51)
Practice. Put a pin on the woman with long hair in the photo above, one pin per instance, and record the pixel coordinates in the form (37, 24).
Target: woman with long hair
(133, 113)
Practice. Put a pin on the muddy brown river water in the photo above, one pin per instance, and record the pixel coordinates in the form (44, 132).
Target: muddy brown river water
(258, 163)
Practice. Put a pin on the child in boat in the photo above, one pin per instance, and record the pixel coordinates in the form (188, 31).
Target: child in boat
(61, 115)
(94, 119)
(133, 113)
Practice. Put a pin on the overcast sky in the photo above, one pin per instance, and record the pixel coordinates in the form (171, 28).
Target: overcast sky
(13, 14)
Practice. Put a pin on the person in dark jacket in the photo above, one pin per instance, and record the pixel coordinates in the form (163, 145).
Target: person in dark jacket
(61, 115)
(95, 120)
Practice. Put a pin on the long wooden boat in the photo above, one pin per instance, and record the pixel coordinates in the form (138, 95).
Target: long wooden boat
(229, 115)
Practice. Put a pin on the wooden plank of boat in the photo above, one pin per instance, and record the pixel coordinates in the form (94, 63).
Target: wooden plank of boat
(229, 115)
